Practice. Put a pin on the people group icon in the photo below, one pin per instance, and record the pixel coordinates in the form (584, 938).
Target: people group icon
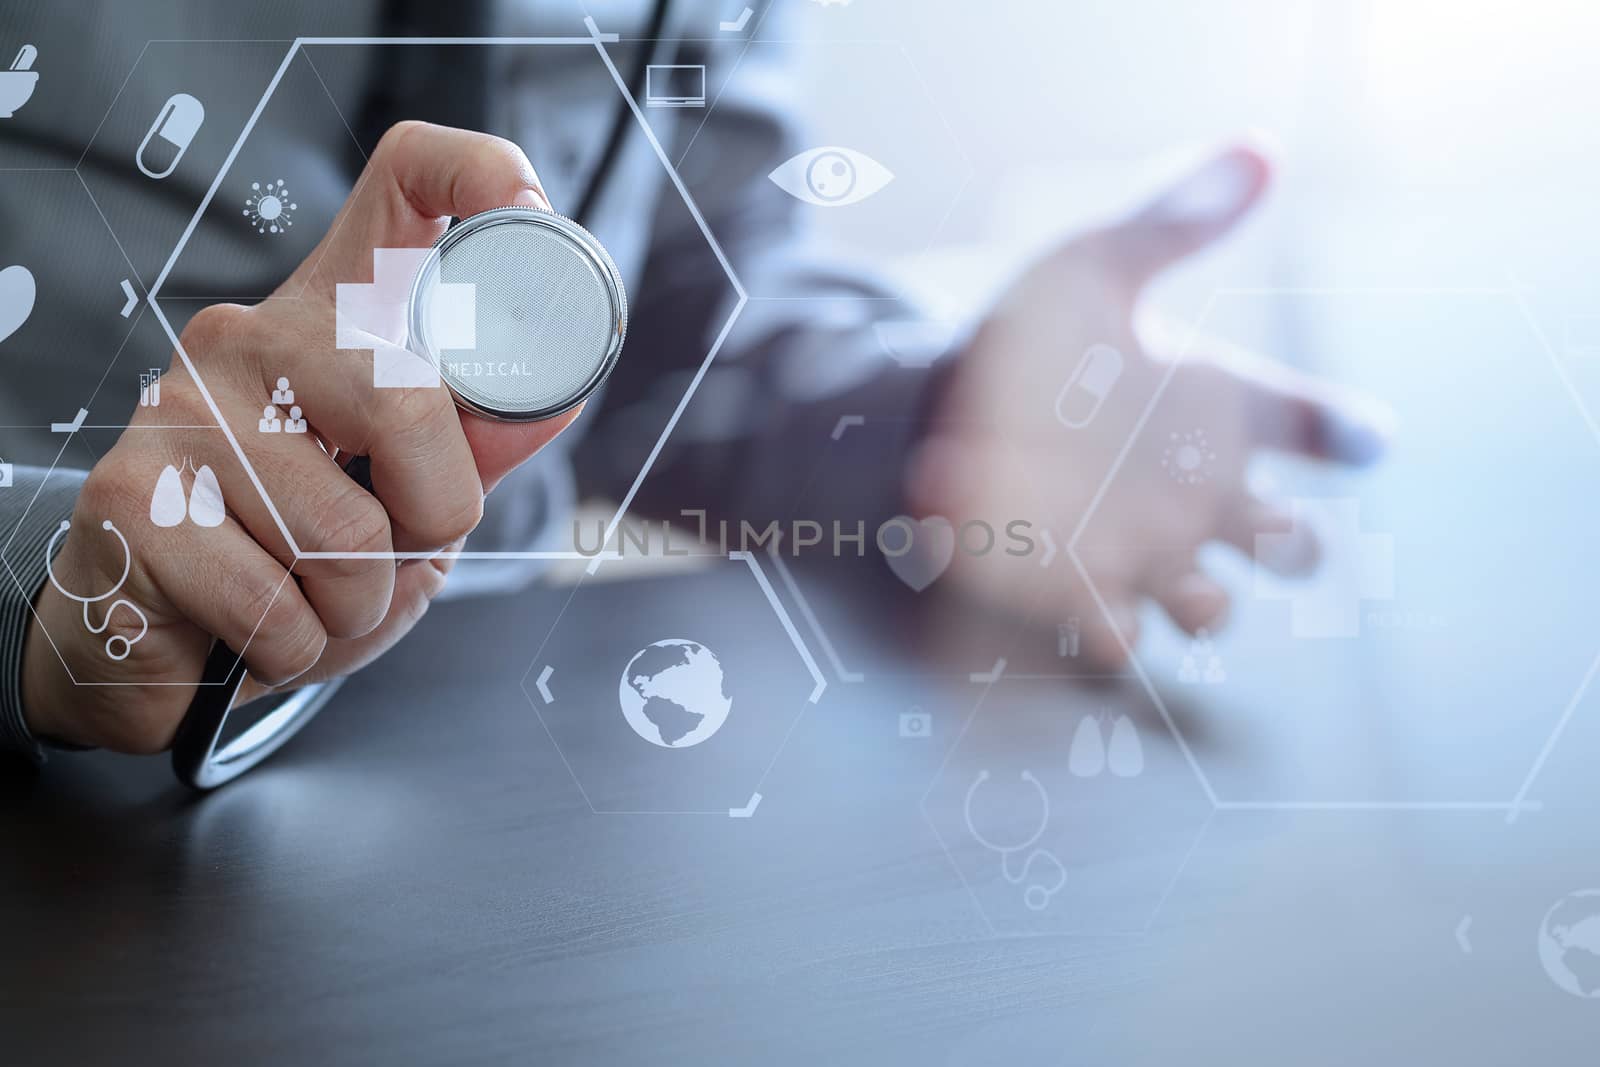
(272, 420)
(1190, 671)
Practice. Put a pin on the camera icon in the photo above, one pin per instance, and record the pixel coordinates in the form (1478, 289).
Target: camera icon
(916, 723)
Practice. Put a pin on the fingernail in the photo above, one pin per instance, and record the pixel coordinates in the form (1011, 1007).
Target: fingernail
(1204, 603)
(1215, 191)
(1292, 552)
(532, 196)
(1360, 438)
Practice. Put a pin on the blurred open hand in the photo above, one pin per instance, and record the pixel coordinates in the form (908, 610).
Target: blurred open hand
(998, 451)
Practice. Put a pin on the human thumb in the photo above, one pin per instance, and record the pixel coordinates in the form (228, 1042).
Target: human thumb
(501, 447)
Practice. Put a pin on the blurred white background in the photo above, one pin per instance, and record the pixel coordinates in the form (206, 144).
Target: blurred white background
(1458, 134)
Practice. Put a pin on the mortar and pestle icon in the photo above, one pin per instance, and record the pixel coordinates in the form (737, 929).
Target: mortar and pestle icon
(17, 84)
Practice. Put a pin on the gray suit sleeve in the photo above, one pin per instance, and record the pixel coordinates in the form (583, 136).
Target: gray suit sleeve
(31, 509)
(791, 368)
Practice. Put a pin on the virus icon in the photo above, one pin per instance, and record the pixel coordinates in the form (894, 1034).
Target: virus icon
(1188, 457)
(268, 207)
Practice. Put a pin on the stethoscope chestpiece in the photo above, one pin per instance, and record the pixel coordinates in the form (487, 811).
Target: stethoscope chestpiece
(547, 305)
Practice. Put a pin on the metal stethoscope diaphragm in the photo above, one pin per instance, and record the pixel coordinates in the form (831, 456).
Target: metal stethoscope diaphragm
(548, 308)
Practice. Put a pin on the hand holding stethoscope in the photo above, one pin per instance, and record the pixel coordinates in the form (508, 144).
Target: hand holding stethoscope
(437, 432)
(118, 647)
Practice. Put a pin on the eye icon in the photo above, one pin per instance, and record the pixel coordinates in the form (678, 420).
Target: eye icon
(831, 177)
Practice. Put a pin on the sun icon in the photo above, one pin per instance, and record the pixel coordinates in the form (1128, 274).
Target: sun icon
(268, 207)
(1188, 457)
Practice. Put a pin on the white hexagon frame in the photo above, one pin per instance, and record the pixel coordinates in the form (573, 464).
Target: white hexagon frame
(133, 313)
(595, 39)
(1200, 831)
(1511, 808)
(541, 686)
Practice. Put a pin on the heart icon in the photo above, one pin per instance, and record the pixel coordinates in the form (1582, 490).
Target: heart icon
(16, 299)
(930, 548)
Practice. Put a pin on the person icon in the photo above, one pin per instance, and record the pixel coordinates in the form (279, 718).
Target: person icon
(1189, 670)
(296, 423)
(270, 422)
(283, 394)
(1201, 648)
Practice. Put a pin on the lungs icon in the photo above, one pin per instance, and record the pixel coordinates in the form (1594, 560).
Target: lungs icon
(205, 500)
(168, 504)
(1087, 757)
(1092, 755)
(201, 505)
(1125, 753)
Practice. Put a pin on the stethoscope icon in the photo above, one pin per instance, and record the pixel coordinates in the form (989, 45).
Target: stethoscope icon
(1038, 895)
(115, 641)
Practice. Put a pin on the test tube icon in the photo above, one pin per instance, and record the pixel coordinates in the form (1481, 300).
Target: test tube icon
(150, 388)
(1069, 636)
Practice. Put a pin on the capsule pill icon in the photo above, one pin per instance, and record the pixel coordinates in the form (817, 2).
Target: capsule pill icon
(1091, 382)
(170, 135)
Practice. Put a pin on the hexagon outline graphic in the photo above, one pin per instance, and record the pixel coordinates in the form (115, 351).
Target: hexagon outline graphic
(847, 674)
(896, 290)
(995, 933)
(1519, 802)
(541, 686)
(134, 315)
(597, 40)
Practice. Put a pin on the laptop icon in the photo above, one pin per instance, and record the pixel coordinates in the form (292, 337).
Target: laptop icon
(675, 85)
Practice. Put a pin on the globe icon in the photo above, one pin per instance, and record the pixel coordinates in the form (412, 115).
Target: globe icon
(672, 693)
(1569, 943)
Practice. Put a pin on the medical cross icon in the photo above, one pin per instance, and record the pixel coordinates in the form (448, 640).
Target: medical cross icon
(1361, 568)
(376, 316)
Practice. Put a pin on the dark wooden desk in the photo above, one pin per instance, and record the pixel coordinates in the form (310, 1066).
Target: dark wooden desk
(420, 879)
